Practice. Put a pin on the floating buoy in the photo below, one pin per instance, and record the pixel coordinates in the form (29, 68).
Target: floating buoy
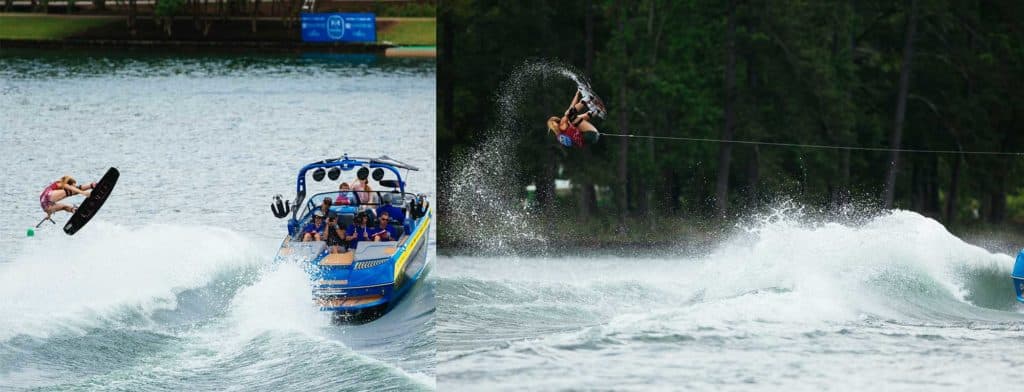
(31, 232)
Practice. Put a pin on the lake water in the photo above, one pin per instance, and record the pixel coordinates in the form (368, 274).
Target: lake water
(893, 301)
(172, 287)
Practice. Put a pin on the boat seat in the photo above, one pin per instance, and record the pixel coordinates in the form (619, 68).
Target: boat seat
(338, 259)
(399, 228)
(345, 220)
(343, 209)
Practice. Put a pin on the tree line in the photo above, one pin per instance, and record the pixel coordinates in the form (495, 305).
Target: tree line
(929, 75)
(204, 14)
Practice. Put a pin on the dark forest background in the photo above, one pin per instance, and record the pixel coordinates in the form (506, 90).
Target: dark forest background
(938, 75)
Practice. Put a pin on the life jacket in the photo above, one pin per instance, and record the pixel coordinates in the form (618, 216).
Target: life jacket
(571, 137)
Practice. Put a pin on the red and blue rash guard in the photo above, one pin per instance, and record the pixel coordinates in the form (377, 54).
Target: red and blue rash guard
(571, 136)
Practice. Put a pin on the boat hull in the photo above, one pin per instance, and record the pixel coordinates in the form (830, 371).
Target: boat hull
(370, 280)
(378, 298)
(1018, 276)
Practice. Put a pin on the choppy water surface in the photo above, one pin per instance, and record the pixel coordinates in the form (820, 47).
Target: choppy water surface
(171, 287)
(894, 302)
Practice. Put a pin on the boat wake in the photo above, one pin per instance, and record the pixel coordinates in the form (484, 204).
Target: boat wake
(172, 307)
(76, 282)
(783, 284)
(898, 265)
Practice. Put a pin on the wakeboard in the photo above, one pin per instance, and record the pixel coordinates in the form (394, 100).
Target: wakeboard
(593, 102)
(92, 204)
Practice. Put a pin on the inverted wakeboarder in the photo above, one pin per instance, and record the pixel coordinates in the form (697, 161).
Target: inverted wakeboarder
(574, 128)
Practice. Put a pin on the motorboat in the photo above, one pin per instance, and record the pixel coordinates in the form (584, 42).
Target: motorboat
(365, 276)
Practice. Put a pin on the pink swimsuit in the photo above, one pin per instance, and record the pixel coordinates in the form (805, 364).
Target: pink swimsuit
(44, 198)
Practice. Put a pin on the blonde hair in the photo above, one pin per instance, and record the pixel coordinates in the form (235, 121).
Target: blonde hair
(553, 124)
(67, 180)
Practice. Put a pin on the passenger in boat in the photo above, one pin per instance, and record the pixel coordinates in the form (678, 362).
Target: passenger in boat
(58, 190)
(384, 231)
(334, 234)
(574, 129)
(325, 206)
(362, 188)
(345, 195)
(388, 204)
(358, 230)
(313, 230)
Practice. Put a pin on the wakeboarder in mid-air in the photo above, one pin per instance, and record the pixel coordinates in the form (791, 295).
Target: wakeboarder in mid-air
(574, 128)
(59, 190)
(95, 193)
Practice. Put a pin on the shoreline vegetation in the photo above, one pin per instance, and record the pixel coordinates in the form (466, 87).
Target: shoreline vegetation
(61, 31)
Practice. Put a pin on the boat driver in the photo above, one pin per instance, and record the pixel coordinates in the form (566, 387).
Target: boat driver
(388, 205)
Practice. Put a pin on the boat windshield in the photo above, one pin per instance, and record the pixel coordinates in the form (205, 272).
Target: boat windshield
(342, 202)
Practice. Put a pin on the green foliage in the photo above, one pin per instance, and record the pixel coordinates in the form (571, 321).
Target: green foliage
(169, 7)
(410, 32)
(419, 10)
(49, 27)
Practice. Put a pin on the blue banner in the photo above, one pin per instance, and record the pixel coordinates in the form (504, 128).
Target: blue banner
(339, 27)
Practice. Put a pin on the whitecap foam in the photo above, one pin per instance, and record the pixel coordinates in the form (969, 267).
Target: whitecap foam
(846, 263)
(59, 282)
(811, 275)
(281, 300)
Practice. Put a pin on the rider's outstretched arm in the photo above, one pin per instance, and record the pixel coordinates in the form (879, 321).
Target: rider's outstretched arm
(73, 190)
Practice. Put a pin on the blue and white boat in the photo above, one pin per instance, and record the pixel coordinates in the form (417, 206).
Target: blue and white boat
(369, 277)
(1018, 276)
